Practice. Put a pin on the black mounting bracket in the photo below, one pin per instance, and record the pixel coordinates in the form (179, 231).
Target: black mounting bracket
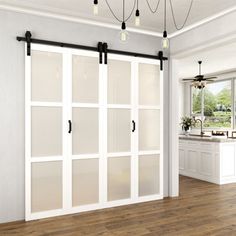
(104, 48)
(28, 41)
(100, 48)
(160, 55)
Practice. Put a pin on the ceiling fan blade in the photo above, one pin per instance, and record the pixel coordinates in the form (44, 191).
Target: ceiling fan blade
(210, 78)
(187, 79)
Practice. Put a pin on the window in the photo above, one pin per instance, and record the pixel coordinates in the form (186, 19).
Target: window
(214, 104)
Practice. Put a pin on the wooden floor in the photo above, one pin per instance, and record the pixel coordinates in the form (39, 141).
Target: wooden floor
(201, 209)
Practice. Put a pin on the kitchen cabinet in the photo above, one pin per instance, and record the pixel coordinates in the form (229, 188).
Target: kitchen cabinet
(212, 160)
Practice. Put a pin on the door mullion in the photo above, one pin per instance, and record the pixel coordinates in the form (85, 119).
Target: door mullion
(67, 137)
(27, 135)
(134, 118)
(102, 134)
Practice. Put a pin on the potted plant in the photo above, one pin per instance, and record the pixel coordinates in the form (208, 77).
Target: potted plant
(186, 123)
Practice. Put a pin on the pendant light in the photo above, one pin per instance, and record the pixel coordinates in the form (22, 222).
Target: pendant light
(124, 35)
(95, 7)
(137, 16)
(165, 40)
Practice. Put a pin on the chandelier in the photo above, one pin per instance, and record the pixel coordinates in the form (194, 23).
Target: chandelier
(124, 35)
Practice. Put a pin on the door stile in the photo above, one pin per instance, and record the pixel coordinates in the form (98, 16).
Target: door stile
(161, 134)
(134, 135)
(67, 137)
(103, 135)
(27, 135)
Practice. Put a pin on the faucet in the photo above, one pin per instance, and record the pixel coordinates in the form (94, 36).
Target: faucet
(202, 133)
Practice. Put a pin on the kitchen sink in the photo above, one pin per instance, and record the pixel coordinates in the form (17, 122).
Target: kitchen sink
(199, 135)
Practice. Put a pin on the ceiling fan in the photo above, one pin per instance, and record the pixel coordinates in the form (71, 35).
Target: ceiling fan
(199, 81)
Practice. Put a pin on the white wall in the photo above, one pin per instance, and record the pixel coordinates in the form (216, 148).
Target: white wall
(12, 92)
(184, 99)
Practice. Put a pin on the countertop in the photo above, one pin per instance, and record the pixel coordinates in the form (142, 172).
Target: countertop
(217, 139)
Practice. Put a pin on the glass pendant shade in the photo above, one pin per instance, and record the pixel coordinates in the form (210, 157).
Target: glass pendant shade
(124, 36)
(137, 20)
(199, 84)
(165, 43)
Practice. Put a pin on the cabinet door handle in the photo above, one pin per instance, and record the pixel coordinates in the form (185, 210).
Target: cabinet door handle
(133, 122)
(70, 126)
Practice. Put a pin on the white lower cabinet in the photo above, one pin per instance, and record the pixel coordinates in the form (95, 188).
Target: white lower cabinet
(214, 162)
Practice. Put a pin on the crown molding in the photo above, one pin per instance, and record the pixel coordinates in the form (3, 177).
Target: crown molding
(110, 25)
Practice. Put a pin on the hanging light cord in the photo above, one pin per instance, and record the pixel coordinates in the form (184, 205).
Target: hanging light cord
(123, 10)
(165, 15)
(173, 15)
(150, 8)
(117, 18)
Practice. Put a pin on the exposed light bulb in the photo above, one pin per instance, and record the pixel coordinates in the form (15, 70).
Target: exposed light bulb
(137, 18)
(137, 21)
(165, 41)
(124, 35)
(95, 7)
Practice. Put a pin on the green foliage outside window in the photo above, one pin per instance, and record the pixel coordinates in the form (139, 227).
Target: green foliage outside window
(217, 104)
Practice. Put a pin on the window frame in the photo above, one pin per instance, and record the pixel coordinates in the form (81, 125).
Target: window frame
(233, 103)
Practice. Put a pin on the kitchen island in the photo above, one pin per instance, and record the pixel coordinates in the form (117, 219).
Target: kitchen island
(211, 159)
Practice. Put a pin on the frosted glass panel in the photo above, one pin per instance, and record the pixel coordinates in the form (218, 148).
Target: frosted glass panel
(46, 192)
(149, 130)
(119, 130)
(84, 130)
(149, 175)
(85, 182)
(46, 73)
(118, 178)
(85, 79)
(149, 84)
(119, 80)
(46, 131)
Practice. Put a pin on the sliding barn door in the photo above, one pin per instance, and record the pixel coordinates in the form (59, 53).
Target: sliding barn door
(150, 138)
(93, 132)
(45, 118)
(119, 148)
(85, 109)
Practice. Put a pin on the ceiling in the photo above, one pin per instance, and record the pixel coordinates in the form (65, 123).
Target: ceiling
(216, 60)
(201, 10)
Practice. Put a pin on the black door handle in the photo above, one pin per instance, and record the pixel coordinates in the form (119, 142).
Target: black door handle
(133, 122)
(70, 126)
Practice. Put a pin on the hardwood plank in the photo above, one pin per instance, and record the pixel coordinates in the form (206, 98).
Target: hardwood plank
(201, 209)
